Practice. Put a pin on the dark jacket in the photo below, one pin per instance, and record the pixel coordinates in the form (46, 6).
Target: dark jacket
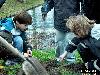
(92, 9)
(76, 42)
(62, 10)
(89, 50)
(88, 43)
(26, 44)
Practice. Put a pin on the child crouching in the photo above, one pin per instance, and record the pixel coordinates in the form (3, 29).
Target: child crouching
(84, 42)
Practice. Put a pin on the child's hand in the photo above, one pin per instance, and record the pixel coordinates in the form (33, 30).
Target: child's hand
(26, 55)
(29, 52)
(61, 57)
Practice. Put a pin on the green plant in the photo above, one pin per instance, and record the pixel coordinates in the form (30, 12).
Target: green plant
(78, 57)
(13, 6)
(12, 70)
(9, 70)
(44, 55)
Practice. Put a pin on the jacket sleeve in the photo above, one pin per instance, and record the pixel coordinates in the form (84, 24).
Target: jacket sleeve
(26, 44)
(6, 24)
(72, 45)
(47, 6)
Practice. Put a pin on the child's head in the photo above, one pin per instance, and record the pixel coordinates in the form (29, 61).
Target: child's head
(22, 20)
(80, 25)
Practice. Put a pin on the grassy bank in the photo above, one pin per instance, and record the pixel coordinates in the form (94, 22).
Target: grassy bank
(11, 7)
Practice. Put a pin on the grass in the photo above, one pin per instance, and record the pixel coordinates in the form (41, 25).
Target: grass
(11, 7)
(12, 70)
(9, 70)
(78, 57)
(44, 55)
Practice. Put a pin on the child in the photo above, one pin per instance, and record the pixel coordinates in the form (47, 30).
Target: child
(13, 30)
(84, 41)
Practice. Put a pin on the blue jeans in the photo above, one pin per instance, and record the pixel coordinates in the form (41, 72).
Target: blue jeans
(18, 42)
(62, 40)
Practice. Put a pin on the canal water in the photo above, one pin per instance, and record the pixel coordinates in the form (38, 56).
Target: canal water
(41, 33)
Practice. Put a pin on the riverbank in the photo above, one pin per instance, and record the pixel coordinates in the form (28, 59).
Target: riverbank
(11, 7)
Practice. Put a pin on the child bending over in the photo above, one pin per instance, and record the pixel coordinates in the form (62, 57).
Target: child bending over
(87, 40)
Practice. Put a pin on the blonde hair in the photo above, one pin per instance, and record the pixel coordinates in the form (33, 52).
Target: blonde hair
(80, 25)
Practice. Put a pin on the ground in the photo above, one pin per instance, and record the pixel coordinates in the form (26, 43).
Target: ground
(47, 59)
(11, 7)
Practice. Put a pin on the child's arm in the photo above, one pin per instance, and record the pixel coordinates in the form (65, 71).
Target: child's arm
(63, 55)
(70, 47)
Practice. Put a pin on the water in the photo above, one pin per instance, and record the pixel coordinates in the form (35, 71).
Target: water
(37, 18)
(41, 33)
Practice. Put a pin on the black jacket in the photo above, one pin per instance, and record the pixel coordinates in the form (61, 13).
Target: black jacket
(26, 44)
(92, 9)
(88, 43)
(62, 10)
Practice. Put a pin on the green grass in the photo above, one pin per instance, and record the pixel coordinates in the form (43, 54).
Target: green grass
(12, 70)
(9, 70)
(44, 55)
(11, 7)
(78, 57)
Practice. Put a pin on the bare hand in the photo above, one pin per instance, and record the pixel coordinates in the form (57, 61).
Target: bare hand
(61, 57)
(26, 55)
(29, 52)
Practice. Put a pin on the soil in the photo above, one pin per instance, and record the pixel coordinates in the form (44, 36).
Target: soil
(53, 68)
(2, 72)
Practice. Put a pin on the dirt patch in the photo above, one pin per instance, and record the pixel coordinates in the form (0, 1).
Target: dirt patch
(2, 72)
(52, 67)
(55, 69)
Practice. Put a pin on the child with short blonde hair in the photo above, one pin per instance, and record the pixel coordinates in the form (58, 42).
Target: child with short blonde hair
(86, 45)
(80, 25)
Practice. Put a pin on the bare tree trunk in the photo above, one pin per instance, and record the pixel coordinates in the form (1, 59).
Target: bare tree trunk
(10, 48)
(36, 65)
